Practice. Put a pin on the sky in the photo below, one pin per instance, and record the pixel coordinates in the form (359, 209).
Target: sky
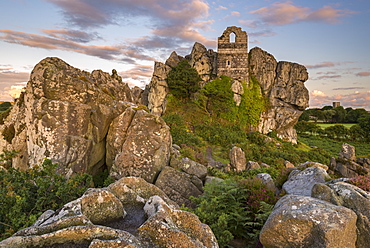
(331, 38)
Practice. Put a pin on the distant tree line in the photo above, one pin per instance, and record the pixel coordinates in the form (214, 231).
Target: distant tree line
(333, 115)
(360, 131)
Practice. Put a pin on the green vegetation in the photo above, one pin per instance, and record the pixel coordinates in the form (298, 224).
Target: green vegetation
(210, 119)
(235, 209)
(183, 80)
(333, 147)
(25, 195)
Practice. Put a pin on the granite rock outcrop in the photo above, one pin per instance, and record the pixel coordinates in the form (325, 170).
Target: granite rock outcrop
(85, 122)
(282, 83)
(128, 213)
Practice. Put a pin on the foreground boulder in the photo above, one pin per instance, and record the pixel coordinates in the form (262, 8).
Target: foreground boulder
(351, 197)
(301, 221)
(129, 213)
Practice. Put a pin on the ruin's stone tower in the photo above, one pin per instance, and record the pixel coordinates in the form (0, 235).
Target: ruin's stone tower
(232, 58)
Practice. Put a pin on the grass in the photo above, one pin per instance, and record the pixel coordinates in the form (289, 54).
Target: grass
(333, 147)
(325, 125)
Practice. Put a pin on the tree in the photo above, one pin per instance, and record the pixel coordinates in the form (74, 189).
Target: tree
(340, 114)
(357, 133)
(305, 126)
(183, 80)
(353, 115)
(364, 123)
(337, 131)
(329, 114)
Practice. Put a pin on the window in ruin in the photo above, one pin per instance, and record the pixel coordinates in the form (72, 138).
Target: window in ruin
(232, 37)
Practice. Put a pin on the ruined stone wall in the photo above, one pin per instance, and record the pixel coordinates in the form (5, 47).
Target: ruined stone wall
(233, 55)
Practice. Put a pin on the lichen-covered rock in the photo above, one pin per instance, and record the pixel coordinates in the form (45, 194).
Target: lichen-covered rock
(237, 159)
(152, 220)
(189, 166)
(348, 152)
(252, 165)
(167, 227)
(137, 190)
(179, 186)
(145, 150)
(301, 221)
(351, 197)
(301, 182)
(204, 61)
(267, 180)
(64, 114)
(347, 165)
(158, 89)
(283, 84)
(102, 206)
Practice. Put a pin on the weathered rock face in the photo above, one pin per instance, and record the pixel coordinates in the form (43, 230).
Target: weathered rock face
(347, 165)
(237, 159)
(151, 220)
(283, 84)
(83, 121)
(301, 182)
(157, 89)
(301, 221)
(146, 148)
(351, 197)
(204, 61)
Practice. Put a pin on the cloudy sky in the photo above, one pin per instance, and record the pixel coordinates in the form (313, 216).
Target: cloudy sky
(331, 38)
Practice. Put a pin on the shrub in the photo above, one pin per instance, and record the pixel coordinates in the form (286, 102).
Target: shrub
(234, 209)
(25, 195)
(362, 182)
(183, 80)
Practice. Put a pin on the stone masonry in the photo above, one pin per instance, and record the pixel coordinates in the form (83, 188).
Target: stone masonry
(232, 57)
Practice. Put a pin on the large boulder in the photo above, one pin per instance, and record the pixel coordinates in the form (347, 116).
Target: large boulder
(179, 186)
(301, 221)
(145, 151)
(283, 84)
(157, 90)
(204, 61)
(301, 182)
(351, 197)
(168, 227)
(150, 221)
(64, 114)
(237, 159)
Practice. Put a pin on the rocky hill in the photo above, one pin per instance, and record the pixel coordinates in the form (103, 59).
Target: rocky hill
(281, 82)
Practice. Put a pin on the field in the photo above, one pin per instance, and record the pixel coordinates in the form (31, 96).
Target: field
(333, 147)
(325, 125)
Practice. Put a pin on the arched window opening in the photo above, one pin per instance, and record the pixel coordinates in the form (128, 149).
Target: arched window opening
(228, 62)
(232, 37)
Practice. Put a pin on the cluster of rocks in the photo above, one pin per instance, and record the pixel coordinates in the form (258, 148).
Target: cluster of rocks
(282, 83)
(87, 122)
(317, 212)
(348, 165)
(128, 213)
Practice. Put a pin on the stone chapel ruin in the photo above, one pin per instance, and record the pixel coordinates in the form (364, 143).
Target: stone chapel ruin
(232, 59)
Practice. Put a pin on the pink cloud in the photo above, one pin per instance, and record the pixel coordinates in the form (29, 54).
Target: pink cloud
(283, 13)
(327, 64)
(363, 74)
(118, 53)
(354, 100)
